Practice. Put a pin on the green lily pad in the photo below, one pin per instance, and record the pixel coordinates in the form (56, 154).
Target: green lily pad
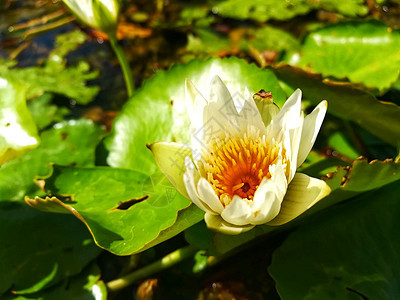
(263, 10)
(125, 211)
(339, 142)
(67, 143)
(54, 76)
(18, 133)
(365, 52)
(363, 176)
(86, 286)
(39, 250)
(157, 112)
(352, 252)
(347, 102)
(278, 39)
(44, 112)
(206, 42)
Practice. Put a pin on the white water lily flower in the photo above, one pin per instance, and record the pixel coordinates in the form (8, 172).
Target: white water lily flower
(99, 14)
(241, 166)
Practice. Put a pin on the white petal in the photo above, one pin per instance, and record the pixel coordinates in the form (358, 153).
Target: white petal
(215, 222)
(311, 127)
(289, 115)
(279, 177)
(189, 179)
(295, 136)
(267, 202)
(269, 195)
(220, 115)
(219, 93)
(238, 212)
(170, 158)
(208, 196)
(302, 193)
(286, 127)
(195, 103)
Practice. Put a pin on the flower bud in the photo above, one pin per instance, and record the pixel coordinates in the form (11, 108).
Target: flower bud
(266, 106)
(106, 15)
(99, 14)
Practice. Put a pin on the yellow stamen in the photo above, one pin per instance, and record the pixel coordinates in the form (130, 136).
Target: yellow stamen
(237, 165)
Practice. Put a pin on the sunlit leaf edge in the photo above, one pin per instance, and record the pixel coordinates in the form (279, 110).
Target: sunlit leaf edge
(378, 117)
(52, 204)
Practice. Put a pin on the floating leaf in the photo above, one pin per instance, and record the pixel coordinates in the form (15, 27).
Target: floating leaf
(273, 38)
(366, 52)
(364, 176)
(339, 142)
(55, 76)
(18, 133)
(67, 143)
(86, 285)
(347, 102)
(198, 16)
(38, 250)
(207, 42)
(263, 10)
(95, 196)
(44, 113)
(352, 252)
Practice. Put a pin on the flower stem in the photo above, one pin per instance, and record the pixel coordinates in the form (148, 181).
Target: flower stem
(130, 86)
(165, 262)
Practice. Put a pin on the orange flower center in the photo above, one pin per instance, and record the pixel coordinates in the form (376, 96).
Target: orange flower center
(236, 166)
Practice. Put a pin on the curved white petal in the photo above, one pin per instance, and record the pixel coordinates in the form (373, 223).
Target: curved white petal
(267, 202)
(302, 193)
(295, 140)
(195, 103)
(288, 116)
(170, 158)
(311, 127)
(189, 179)
(238, 212)
(278, 176)
(220, 94)
(207, 195)
(286, 127)
(215, 222)
(220, 116)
